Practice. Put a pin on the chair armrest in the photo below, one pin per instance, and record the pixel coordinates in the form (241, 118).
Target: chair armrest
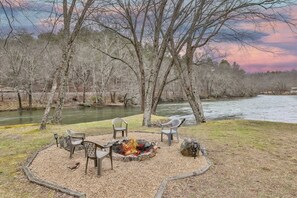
(107, 145)
(165, 125)
(125, 122)
(104, 147)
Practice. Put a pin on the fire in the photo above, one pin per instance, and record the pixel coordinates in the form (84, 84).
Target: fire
(130, 147)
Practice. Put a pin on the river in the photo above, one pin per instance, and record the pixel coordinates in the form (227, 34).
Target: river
(262, 107)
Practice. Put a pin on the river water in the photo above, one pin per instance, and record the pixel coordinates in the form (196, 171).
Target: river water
(262, 107)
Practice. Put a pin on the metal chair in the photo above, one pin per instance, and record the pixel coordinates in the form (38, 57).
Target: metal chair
(75, 139)
(173, 126)
(117, 125)
(97, 153)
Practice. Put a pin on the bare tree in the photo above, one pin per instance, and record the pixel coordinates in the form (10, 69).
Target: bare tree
(30, 77)
(67, 49)
(82, 75)
(140, 22)
(16, 61)
(205, 21)
(75, 16)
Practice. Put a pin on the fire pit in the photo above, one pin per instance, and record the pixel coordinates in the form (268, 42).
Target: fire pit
(133, 150)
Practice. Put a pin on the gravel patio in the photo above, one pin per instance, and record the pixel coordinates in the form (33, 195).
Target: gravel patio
(127, 179)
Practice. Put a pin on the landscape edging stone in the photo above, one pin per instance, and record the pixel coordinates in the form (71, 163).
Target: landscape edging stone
(32, 178)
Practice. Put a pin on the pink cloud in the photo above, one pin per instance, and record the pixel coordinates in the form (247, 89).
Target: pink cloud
(253, 60)
(49, 23)
(278, 48)
(15, 3)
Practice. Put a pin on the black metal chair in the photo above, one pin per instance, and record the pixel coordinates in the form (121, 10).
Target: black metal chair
(97, 153)
(173, 126)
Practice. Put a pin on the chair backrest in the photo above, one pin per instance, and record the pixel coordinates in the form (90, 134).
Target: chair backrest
(69, 132)
(177, 122)
(117, 122)
(181, 122)
(90, 149)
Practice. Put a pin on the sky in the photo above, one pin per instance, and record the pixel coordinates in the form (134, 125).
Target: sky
(272, 50)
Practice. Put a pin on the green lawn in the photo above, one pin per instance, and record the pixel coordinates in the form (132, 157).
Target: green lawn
(227, 142)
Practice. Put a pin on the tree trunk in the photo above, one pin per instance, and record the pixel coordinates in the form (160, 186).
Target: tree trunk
(64, 71)
(112, 97)
(163, 84)
(20, 100)
(195, 103)
(142, 97)
(42, 96)
(49, 104)
(30, 96)
(148, 104)
(30, 101)
(94, 84)
(76, 91)
(149, 96)
(186, 79)
(84, 93)
(57, 118)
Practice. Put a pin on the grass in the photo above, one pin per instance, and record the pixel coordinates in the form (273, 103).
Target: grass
(251, 158)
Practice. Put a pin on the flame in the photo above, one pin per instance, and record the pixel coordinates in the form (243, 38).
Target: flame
(130, 147)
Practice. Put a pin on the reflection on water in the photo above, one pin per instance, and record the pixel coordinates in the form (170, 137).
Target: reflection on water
(270, 108)
(70, 116)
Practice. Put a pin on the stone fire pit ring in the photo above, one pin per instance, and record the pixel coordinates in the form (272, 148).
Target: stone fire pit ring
(146, 150)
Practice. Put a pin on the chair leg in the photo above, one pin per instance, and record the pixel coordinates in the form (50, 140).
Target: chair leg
(123, 133)
(177, 137)
(86, 165)
(71, 150)
(99, 163)
(110, 157)
(169, 139)
(95, 163)
(85, 151)
(161, 137)
(114, 134)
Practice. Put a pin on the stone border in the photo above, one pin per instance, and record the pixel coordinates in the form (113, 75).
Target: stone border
(31, 177)
(198, 172)
(163, 184)
(141, 157)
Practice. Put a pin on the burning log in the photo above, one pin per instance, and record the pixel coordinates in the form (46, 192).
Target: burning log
(132, 148)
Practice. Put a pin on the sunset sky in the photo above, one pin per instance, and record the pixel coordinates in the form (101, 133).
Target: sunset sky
(278, 47)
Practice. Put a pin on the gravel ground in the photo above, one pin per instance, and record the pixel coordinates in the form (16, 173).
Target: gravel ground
(127, 179)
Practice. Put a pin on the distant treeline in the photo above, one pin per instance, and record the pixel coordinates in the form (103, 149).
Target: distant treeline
(28, 65)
